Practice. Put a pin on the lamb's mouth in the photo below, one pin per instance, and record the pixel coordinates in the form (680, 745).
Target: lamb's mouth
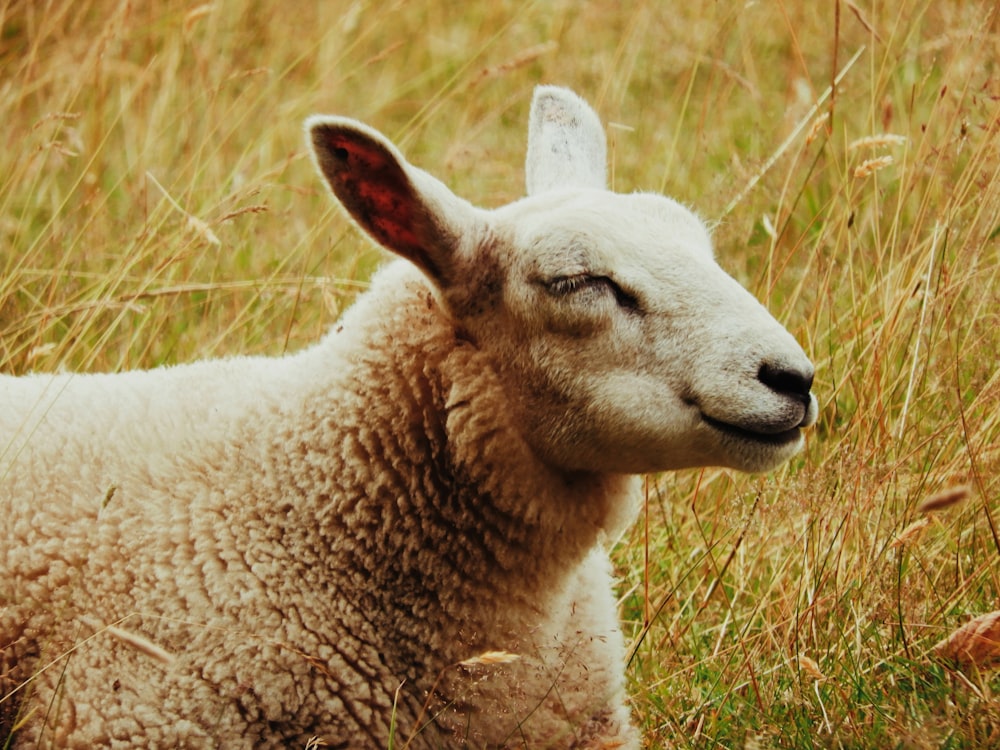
(781, 437)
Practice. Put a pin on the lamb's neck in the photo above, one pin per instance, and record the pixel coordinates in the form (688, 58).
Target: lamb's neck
(451, 482)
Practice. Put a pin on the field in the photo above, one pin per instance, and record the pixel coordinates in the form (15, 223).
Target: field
(157, 205)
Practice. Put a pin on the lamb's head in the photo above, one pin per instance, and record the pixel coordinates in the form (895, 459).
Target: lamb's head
(622, 345)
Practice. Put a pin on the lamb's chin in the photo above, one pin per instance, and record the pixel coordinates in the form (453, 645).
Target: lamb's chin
(756, 452)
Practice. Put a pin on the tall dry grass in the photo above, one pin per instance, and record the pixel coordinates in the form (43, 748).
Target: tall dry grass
(157, 205)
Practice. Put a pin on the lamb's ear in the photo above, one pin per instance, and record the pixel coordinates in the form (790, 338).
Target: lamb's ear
(402, 207)
(566, 146)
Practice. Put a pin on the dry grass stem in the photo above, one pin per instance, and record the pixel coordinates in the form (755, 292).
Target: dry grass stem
(196, 14)
(141, 644)
(488, 658)
(519, 60)
(199, 226)
(786, 144)
(915, 360)
(863, 20)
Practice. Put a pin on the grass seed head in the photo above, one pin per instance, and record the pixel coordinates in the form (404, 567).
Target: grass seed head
(945, 498)
(817, 127)
(811, 668)
(911, 533)
(877, 141)
(870, 166)
(975, 644)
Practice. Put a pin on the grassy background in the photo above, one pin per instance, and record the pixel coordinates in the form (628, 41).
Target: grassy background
(157, 205)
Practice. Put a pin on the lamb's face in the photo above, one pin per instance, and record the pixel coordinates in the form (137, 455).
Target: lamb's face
(626, 348)
(622, 345)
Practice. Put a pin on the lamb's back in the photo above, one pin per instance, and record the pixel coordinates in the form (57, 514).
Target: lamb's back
(162, 504)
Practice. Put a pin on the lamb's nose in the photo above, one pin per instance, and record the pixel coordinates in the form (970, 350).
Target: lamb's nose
(790, 379)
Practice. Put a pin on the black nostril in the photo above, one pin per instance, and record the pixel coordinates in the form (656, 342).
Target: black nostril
(786, 379)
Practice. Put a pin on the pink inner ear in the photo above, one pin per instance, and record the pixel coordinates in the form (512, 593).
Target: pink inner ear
(377, 192)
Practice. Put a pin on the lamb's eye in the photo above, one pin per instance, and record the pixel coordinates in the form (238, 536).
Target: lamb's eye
(561, 286)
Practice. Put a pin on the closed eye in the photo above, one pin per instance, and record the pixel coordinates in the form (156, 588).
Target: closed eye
(562, 286)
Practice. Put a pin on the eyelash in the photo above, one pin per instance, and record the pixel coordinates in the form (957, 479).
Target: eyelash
(566, 285)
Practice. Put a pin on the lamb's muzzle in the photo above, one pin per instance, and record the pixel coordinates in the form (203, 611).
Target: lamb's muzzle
(788, 381)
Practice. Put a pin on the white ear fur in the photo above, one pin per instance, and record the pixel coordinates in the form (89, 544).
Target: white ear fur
(566, 146)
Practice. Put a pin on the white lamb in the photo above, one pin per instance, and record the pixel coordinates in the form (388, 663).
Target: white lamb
(254, 552)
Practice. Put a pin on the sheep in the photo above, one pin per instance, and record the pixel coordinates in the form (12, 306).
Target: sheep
(398, 534)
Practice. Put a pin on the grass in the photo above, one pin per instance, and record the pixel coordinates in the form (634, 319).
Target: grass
(157, 205)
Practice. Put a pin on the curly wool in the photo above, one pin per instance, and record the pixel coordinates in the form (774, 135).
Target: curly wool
(339, 525)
